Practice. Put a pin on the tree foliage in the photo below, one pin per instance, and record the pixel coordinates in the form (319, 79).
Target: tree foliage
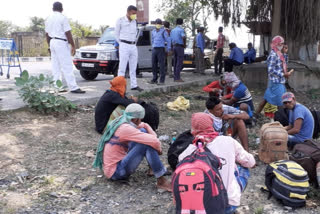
(6, 28)
(37, 24)
(195, 13)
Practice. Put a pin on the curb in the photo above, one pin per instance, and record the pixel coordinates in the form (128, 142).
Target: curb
(160, 89)
(34, 59)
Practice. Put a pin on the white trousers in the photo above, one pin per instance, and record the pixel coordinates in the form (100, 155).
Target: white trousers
(62, 62)
(128, 53)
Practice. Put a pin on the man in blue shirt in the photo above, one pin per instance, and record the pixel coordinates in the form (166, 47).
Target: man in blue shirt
(301, 122)
(236, 58)
(250, 55)
(241, 98)
(178, 38)
(160, 39)
(199, 51)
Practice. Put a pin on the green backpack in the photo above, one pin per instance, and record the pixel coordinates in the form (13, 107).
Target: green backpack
(288, 182)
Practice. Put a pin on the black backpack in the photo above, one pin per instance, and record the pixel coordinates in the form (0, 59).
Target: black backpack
(151, 114)
(307, 154)
(288, 182)
(178, 146)
(197, 185)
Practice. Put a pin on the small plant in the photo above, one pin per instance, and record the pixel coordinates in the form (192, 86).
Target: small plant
(259, 210)
(41, 93)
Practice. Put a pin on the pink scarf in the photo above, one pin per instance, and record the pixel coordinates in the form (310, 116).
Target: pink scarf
(276, 41)
(202, 128)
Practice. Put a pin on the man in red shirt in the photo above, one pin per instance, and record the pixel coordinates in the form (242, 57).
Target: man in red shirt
(218, 59)
(218, 88)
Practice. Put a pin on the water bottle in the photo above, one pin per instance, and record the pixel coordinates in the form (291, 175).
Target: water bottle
(173, 139)
(318, 173)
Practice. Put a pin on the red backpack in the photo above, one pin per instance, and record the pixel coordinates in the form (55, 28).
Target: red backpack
(197, 185)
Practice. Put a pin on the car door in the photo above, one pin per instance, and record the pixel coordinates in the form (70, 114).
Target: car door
(144, 49)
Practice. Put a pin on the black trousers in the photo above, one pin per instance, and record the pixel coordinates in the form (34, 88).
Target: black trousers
(158, 57)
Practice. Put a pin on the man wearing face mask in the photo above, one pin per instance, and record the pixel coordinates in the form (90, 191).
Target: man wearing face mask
(160, 39)
(125, 32)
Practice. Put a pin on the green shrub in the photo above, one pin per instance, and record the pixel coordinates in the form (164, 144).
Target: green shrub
(41, 93)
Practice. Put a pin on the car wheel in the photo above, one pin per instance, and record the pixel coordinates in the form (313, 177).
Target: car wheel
(88, 75)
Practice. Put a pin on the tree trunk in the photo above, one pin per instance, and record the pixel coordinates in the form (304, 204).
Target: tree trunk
(276, 17)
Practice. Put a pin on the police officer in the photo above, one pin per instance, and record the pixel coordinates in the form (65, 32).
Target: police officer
(178, 38)
(58, 34)
(160, 39)
(200, 51)
(125, 32)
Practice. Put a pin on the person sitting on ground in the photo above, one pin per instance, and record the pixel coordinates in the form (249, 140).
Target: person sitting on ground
(301, 122)
(125, 143)
(241, 98)
(262, 58)
(110, 100)
(234, 177)
(225, 116)
(250, 55)
(236, 58)
(218, 88)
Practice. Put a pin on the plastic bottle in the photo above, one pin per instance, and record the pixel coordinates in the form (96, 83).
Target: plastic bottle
(173, 139)
(318, 172)
(200, 145)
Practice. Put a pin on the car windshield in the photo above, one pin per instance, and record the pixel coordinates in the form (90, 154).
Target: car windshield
(190, 44)
(107, 37)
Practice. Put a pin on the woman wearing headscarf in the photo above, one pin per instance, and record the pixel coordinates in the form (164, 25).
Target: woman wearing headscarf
(234, 177)
(241, 98)
(277, 74)
(125, 143)
(110, 100)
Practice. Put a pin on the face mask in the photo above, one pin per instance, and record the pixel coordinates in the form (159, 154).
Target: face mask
(280, 47)
(133, 16)
(158, 26)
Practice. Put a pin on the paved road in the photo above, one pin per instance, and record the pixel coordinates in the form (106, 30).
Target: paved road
(94, 89)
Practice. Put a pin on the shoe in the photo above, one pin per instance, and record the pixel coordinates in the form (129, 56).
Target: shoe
(180, 80)
(62, 90)
(160, 83)
(137, 89)
(171, 76)
(78, 91)
(152, 82)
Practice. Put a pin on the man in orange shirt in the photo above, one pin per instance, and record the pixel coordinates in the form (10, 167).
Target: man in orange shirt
(125, 143)
(218, 59)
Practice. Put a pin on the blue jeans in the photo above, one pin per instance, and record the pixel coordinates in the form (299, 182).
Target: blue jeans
(242, 176)
(292, 141)
(132, 160)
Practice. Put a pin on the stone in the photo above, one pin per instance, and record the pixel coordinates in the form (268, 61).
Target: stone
(53, 195)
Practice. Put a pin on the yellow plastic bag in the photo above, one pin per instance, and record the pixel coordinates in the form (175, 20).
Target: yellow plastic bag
(180, 103)
(269, 108)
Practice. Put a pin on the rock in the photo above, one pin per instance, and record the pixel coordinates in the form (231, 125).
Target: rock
(54, 195)
(90, 154)
(164, 138)
(287, 208)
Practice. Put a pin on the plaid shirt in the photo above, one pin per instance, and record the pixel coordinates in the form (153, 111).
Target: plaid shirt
(275, 69)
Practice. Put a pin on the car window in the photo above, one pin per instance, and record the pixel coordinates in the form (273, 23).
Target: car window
(144, 39)
(108, 36)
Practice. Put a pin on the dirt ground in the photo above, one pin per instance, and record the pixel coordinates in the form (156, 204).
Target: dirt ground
(46, 164)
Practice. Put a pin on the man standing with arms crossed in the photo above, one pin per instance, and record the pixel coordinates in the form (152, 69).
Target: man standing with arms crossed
(58, 34)
(178, 37)
(218, 59)
(125, 32)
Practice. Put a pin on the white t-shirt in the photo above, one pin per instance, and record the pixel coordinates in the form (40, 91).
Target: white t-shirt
(56, 25)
